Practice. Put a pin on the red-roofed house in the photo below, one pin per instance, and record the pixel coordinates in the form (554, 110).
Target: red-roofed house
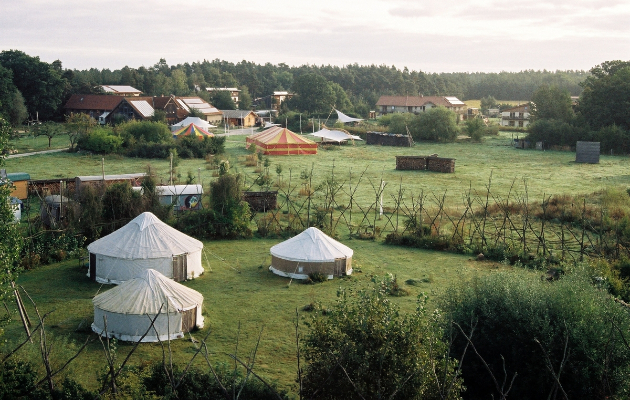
(418, 104)
(94, 105)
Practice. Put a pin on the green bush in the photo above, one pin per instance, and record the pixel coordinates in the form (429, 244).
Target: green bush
(522, 324)
(386, 354)
(134, 132)
(101, 141)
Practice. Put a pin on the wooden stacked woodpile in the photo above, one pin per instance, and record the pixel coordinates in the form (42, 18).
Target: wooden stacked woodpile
(411, 162)
(439, 164)
(388, 139)
(261, 201)
(45, 187)
(428, 163)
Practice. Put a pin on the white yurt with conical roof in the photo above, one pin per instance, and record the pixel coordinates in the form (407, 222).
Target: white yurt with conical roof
(129, 308)
(145, 242)
(312, 251)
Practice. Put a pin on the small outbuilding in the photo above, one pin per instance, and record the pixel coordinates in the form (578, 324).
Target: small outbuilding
(312, 251)
(145, 242)
(181, 197)
(53, 210)
(126, 311)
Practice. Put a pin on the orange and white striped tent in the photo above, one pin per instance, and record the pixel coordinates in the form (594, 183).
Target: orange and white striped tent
(279, 141)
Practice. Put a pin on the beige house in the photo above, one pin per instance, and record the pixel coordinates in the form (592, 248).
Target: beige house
(516, 116)
(418, 104)
(244, 118)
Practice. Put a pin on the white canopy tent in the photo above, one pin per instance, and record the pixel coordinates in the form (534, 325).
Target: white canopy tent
(344, 118)
(202, 123)
(312, 251)
(334, 135)
(128, 309)
(145, 242)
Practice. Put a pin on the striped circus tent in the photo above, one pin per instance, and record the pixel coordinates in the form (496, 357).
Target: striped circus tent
(277, 141)
(192, 130)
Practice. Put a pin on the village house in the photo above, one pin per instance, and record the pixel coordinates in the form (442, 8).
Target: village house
(516, 116)
(418, 104)
(94, 105)
(234, 92)
(244, 118)
(121, 90)
(105, 108)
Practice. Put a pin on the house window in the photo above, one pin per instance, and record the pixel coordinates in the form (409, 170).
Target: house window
(512, 115)
(520, 123)
(511, 123)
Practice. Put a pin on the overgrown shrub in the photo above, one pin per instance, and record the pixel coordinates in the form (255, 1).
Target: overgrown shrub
(386, 354)
(100, 140)
(523, 324)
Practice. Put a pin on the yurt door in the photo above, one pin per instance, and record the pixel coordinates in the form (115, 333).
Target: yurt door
(340, 266)
(93, 266)
(180, 267)
(189, 319)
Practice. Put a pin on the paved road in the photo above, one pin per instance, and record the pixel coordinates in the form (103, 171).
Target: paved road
(35, 153)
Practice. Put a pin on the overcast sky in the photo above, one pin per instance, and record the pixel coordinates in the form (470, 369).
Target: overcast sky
(437, 36)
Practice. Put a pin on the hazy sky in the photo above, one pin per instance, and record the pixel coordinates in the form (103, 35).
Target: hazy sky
(437, 36)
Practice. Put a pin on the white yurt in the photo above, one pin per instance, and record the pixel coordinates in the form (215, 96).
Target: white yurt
(145, 242)
(129, 308)
(312, 251)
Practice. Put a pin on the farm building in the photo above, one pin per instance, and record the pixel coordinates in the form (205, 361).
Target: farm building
(182, 197)
(128, 309)
(145, 242)
(312, 251)
(278, 141)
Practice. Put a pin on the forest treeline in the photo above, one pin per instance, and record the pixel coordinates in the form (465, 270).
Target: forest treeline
(361, 82)
(33, 88)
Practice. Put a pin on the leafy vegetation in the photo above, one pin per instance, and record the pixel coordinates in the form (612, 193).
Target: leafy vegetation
(566, 337)
(363, 348)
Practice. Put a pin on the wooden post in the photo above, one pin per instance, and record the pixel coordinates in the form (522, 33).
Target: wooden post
(23, 315)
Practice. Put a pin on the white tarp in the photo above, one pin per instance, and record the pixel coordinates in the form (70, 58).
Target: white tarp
(344, 118)
(192, 120)
(312, 245)
(334, 135)
(129, 308)
(145, 242)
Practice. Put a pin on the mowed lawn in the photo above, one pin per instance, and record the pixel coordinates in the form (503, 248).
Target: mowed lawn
(237, 286)
(543, 172)
(237, 289)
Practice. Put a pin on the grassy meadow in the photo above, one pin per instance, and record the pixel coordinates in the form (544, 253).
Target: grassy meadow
(238, 288)
(548, 172)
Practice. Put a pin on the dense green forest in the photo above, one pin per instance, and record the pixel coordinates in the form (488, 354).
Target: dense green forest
(36, 87)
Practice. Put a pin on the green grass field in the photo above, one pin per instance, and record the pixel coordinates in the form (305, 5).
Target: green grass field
(27, 144)
(237, 286)
(548, 172)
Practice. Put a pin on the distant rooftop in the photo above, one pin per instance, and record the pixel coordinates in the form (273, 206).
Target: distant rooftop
(120, 89)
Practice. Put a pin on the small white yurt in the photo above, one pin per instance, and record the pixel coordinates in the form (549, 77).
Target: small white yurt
(145, 242)
(312, 251)
(129, 308)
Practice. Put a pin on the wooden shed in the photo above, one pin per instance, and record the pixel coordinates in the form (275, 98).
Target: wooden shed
(20, 181)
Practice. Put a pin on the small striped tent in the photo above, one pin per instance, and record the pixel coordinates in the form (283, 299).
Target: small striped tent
(277, 141)
(192, 130)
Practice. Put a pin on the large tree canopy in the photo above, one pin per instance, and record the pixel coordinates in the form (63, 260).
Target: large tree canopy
(551, 102)
(606, 97)
(313, 94)
(40, 83)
